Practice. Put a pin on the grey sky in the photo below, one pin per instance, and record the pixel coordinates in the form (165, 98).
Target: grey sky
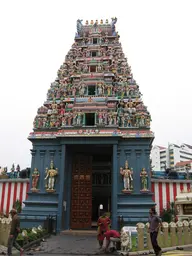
(36, 35)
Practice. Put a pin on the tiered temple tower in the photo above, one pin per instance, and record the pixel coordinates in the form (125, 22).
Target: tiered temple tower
(93, 116)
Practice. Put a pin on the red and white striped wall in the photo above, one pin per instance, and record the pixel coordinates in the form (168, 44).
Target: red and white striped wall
(165, 191)
(10, 191)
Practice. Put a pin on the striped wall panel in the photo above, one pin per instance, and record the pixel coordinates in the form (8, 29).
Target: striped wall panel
(10, 192)
(165, 191)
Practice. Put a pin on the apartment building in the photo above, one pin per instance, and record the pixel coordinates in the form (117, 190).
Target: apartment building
(170, 156)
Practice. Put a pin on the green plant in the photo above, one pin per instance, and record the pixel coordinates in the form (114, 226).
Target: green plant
(32, 237)
(20, 239)
(169, 214)
(17, 205)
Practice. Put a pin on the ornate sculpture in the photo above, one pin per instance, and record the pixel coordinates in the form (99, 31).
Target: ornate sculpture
(125, 242)
(79, 27)
(127, 177)
(35, 179)
(105, 83)
(144, 177)
(51, 177)
(114, 20)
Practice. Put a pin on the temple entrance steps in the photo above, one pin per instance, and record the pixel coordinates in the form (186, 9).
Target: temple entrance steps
(79, 232)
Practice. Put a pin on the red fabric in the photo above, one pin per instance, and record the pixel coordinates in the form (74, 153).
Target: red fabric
(112, 233)
(103, 224)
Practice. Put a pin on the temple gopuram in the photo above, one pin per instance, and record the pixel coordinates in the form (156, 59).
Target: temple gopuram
(91, 138)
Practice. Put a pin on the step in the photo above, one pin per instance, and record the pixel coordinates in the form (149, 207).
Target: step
(79, 232)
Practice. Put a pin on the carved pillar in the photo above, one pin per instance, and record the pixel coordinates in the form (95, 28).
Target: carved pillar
(147, 166)
(180, 232)
(52, 154)
(149, 245)
(42, 169)
(140, 236)
(114, 188)
(95, 119)
(137, 182)
(33, 154)
(118, 167)
(173, 233)
(186, 232)
(128, 154)
(61, 179)
(83, 121)
(166, 234)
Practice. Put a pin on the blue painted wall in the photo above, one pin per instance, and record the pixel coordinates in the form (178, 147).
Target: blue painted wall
(133, 207)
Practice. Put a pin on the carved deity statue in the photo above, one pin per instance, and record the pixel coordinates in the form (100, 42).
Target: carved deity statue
(127, 177)
(50, 177)
(79, 26)
(143, 176)
(35, 179)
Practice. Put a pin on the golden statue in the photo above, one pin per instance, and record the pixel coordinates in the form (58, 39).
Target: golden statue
(127, 177)
(51, 177)
(143, 175)
(35, 179)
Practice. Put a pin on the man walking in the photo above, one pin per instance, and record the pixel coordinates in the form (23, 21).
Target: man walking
(155, 223)
(14, 231)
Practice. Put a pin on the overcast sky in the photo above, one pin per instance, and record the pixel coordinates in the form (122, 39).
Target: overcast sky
(36, 36)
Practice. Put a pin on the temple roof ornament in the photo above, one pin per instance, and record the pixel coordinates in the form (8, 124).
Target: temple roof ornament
(94, 87)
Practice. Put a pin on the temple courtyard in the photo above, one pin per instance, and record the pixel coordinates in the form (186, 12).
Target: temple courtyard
(79, 244)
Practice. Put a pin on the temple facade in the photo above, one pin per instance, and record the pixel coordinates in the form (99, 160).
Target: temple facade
(91, 138)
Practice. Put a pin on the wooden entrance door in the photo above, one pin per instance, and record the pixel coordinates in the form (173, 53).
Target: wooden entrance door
(81, 200)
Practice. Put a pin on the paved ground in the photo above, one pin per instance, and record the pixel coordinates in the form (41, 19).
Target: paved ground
(77, 245)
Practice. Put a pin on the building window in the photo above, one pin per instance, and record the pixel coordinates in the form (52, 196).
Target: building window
(89, 119)
(92, 68)
(185, 153)
(91, 90)
(94, 54)
(187, 158)
(94, 40)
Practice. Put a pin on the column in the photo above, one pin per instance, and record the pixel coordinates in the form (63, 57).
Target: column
(128, 157)
(147, 166)
(114, 188)
(137, 182)
(119, 176)
(52, 153)
(68, 187)
(42, 170)
(33, 153)
(83, 122)
(62, 153)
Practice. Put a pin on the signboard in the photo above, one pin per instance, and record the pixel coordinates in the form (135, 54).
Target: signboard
(187, 209)
(131, 230)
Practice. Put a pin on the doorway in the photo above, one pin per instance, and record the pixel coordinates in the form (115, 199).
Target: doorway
(89, 119)
(101, 184)
(90, 185)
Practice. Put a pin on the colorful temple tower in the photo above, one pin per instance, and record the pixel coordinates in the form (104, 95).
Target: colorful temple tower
(91, 138)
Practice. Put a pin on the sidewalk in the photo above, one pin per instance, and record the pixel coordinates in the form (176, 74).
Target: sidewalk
(69, 244)
(79, 244)
(3, 251)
